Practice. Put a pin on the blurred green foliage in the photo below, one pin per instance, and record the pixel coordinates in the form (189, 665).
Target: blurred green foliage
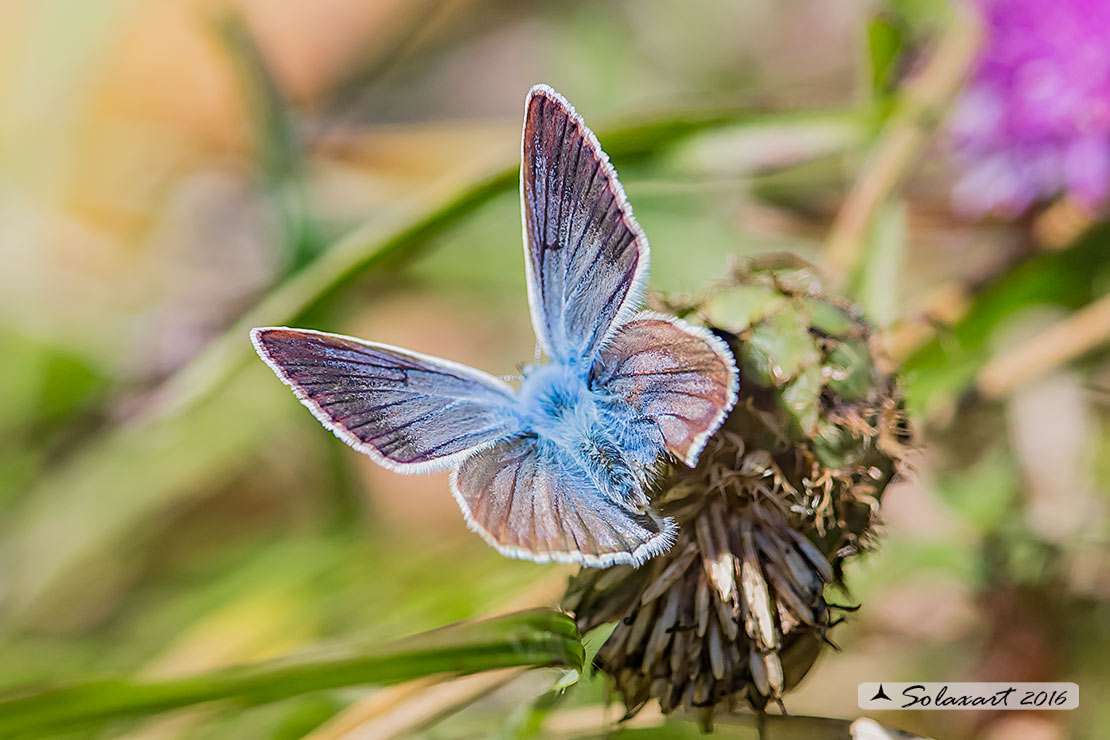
(537, 637)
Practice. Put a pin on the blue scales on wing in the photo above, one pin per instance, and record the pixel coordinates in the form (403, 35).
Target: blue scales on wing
(410, 412)
(586, 256)
(676, 376)
(527, 500)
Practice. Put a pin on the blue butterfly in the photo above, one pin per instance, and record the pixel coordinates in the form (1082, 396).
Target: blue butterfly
(557, 469)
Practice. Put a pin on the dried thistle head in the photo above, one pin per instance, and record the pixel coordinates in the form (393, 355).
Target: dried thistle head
(735, 614)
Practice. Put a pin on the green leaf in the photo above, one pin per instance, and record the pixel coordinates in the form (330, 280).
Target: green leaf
(852, 368)
(940, 371)
(884, 45)
(593, 641)
(801, 400)
(532, 638)
(527, 722)
(827, 317)
(778, 349)
(922, 17)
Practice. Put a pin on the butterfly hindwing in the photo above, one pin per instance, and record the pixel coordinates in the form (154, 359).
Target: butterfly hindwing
(679, 376)
(559, 470)
(528, 501)
(585, 255)
(409, 412)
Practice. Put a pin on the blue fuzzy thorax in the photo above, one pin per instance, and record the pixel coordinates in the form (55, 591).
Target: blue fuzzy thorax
(603, 435)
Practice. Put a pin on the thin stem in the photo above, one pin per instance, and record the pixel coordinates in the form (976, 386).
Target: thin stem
(431, 704)
(1083, 331)
(901, 142)
(278, 153)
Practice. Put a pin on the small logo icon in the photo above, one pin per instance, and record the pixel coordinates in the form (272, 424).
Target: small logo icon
(880, 694)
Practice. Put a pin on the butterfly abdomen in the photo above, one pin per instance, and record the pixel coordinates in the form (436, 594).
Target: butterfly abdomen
(611, 471)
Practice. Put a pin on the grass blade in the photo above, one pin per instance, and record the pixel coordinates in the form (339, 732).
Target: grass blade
(277, 150)
(532, 638)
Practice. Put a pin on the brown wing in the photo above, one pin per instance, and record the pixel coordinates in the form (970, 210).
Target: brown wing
(409, 412)
(679, 376)
(529, 502)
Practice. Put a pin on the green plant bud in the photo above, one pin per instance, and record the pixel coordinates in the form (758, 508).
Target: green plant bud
(734, 615)
(777, 348)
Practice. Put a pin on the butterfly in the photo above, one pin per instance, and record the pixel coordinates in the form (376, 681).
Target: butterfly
(559, 468)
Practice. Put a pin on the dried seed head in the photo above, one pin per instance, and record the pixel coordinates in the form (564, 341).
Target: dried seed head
(735, 612)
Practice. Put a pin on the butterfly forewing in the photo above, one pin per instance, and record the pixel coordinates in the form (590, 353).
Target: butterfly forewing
(526, 500)
(558, 471)
(679, 376)
(585, 254)
(409, 412)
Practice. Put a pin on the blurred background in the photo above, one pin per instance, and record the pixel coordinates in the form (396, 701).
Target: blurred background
(174, 172)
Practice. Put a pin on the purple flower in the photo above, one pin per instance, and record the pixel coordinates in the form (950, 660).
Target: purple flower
(1035, 120)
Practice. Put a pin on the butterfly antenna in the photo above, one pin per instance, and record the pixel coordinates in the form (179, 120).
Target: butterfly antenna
(538, 355)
